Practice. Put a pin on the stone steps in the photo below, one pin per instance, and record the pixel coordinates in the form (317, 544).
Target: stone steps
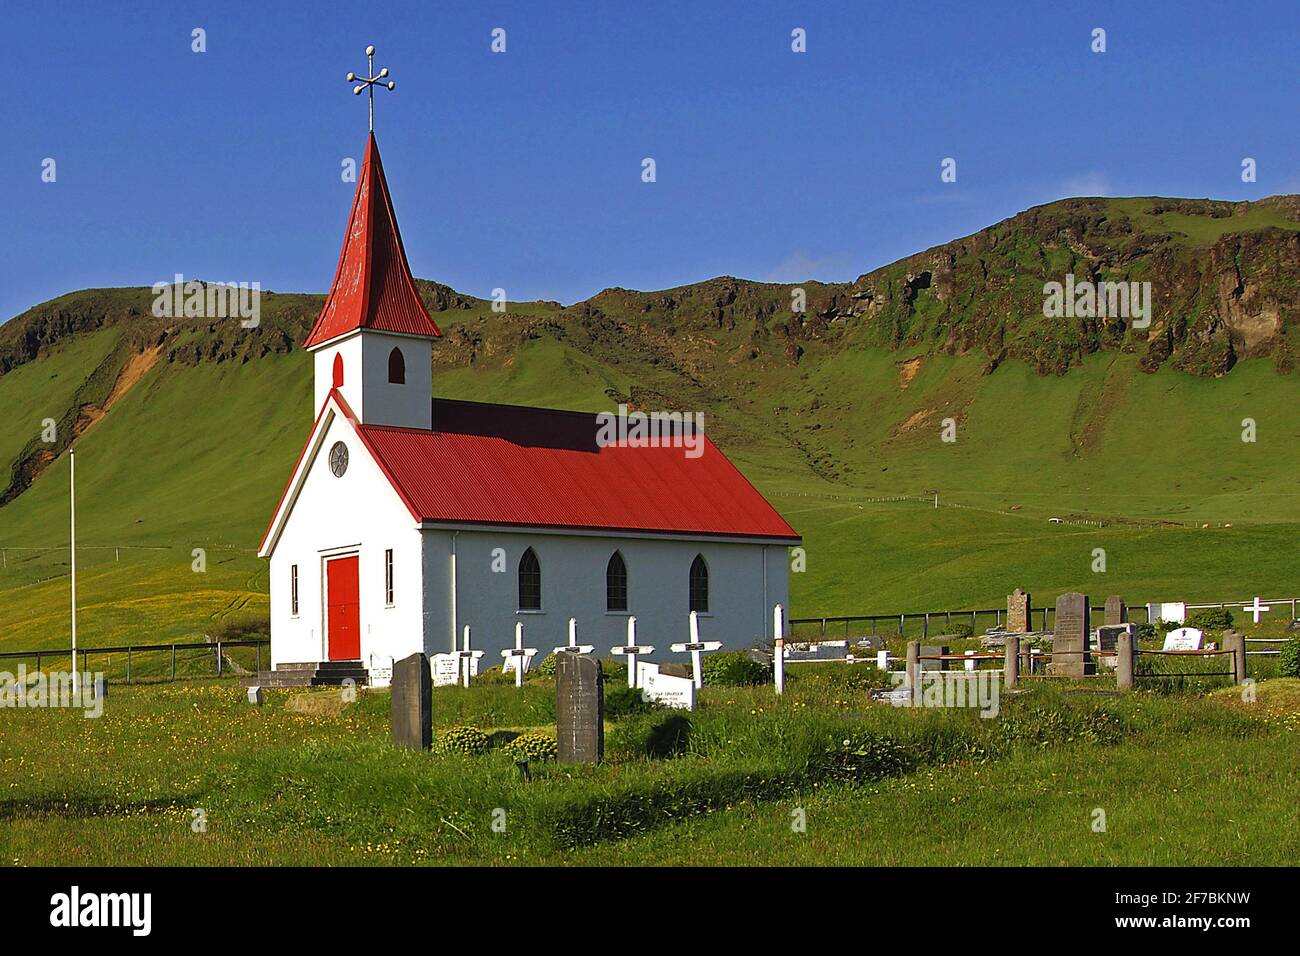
(310, 674)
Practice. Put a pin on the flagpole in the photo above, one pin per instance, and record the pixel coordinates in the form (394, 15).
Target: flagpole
(72, 501)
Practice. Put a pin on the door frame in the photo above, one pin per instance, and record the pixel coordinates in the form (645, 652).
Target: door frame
(326, 556)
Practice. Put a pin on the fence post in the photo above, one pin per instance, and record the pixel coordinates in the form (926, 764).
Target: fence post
(1011, 665)
(173, 662)
(913, 681)
(259, 658)
(218, 658)
(1125, 660)
(925, 627)
(128, 664)
(1235, 642)
(778, 648)
(900, 624)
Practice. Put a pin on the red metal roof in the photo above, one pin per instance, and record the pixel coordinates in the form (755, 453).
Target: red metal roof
(509, 465)
(373, 287)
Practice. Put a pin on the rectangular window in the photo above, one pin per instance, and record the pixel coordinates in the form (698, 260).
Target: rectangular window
(293, 590)
(388, 577)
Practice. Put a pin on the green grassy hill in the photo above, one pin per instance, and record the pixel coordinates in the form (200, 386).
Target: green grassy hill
(185, 433)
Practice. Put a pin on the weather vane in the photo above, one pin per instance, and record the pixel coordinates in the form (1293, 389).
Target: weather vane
(368, 82)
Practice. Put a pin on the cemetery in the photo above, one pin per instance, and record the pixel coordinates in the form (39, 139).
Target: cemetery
(594, 755)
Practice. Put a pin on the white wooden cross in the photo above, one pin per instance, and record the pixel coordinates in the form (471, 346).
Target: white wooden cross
(695, 647)
(466, 658)
(573, 644)
(1256, 609)
(631, 650)
(520, 653)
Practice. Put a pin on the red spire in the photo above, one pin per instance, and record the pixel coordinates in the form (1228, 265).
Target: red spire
(373, 287)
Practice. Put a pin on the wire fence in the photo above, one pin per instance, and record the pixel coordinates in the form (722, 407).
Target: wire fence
(923, 624)
(178, 661)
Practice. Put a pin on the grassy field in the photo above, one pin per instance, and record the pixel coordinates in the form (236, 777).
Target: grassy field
(188, 773)
(1188, 511)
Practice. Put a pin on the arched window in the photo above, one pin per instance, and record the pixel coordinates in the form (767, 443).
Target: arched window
(338, 369)
(396, 367)
(616, 583)
(699, 585)
(530, 582)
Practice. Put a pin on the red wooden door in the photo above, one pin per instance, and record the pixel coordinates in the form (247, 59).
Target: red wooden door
(343, 595)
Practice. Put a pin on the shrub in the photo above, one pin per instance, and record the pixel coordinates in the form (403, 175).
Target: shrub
(493, 677)
(623, 701)
(961, 631)
(865, 756)
(532, 747)
(657, 736)
(1212, 619)
(462, 740)
(1288, 661)
(546, 668)
(1145, 632)
(734, 669)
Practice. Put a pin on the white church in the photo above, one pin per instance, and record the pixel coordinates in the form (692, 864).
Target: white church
(408, 517)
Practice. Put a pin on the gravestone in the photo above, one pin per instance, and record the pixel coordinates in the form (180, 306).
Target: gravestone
(256, 697)
(579, 708)
(1070, 654)
(663, 688)
(1018, 612)
(933, 650)
(412, 713)
(1184, 639)
(676, 670)
(445, 669)
(1107, 640)
(1116, 610)
(1169, 611)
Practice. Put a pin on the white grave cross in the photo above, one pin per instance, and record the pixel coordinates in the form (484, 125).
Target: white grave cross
(1256, 609)
(695, 647)
(573, 644)
(520, 654)
(468, 659)
(631, 650)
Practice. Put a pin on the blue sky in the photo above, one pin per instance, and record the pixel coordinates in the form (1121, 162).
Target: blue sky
(523, 170)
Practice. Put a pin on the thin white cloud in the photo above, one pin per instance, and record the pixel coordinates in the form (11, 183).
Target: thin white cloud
(799, 265)
(1091, 183)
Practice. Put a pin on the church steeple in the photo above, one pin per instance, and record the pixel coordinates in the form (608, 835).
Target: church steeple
(373, 287)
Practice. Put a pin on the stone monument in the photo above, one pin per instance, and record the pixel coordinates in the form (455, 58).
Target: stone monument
(1018, 612)
(1116, 610)
(412, 715)
(1070, 654)
(579, 708)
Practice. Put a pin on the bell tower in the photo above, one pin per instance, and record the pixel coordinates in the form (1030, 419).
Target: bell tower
(373, 340)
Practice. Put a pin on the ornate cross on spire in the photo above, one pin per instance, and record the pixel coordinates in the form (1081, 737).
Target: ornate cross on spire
(368, 82)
